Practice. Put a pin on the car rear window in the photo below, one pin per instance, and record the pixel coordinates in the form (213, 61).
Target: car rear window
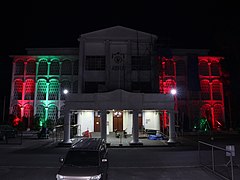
(82, 158)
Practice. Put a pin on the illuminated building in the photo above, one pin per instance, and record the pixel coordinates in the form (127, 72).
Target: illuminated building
(119, 71)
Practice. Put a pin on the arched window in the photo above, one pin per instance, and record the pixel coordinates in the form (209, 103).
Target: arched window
(218, 115)
(215, 69)
(41, 89)
(53, 113)
(66, 67)
(216, 90)
(54, 68)
(75, 86)
(30, 89)
(65, 85)
(180, 68)
(205, 90)
(53, 90)
(205, 112)
(40, 112)
(19, 68)
(168, 85)
(43, 67)
(28, 111)
(18, 88)
(203, 68)
(31, 68)
(75, 67)
(17, 111)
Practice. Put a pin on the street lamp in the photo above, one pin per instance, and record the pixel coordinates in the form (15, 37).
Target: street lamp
(65, 91)
(172, 133)
(173, 91)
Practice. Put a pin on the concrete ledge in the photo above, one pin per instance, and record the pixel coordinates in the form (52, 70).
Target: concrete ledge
(136, 144)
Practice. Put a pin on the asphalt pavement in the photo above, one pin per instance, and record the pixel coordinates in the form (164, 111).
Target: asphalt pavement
(153, 160)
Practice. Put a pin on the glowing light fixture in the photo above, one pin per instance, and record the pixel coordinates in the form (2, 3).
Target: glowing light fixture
(65, 91)
(173, 91)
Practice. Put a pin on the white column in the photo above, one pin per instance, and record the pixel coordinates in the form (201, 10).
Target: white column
(79, 125)
(172, 133)
(67, 119)
(135, 140)
(103, 124)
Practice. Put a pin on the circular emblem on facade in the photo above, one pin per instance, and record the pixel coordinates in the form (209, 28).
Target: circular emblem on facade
(118, 57)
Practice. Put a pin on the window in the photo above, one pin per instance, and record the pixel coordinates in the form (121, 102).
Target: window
(31, 68)
(141, 63)
(205, 90)
(216, 90)
(143, 87)
(180, 69)
(54, 68)
(95, 63)
(40, 112)
(30, 88)
(168, 85)
(17, 111)
(203, 69)
(75, 87)
(75, 67)
(18, 87)
(43, 67)
(215, 69)
(52, 113)
(28, 111)
(53, 90)
(218, 115)
(41, 90)
(19, 68)
(66, 67)
(93, 87)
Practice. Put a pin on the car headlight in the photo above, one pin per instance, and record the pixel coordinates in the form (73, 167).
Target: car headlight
(59, 177)
(97, 177)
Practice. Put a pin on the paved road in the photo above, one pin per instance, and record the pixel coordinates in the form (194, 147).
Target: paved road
(38, 159)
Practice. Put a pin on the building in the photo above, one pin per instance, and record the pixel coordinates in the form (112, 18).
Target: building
(118, 78)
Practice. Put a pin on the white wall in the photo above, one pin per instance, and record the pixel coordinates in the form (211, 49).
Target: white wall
(127, 121)
(151, 120)
(110, 121)
(86, 120)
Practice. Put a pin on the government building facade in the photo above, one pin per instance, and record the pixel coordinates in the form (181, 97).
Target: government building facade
(118, 79)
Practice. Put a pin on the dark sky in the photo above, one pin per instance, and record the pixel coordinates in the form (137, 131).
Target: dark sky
(191, 24)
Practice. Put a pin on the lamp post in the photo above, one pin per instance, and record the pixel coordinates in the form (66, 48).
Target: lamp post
(67, 117)
(172, 133)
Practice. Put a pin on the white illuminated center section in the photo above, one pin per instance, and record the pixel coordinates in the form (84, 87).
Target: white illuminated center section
(65, 91)
(173, 91)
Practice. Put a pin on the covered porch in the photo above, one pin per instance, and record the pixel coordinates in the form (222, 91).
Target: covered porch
(110, 107)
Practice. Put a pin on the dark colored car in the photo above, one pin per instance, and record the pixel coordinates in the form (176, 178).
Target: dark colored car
(87, 159)
(7, 131)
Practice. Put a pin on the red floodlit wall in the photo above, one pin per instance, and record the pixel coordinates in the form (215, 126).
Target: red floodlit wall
(167, 81)
(211, 90)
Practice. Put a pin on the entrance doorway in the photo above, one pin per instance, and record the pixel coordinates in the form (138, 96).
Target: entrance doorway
(96, 124)
(118, 120)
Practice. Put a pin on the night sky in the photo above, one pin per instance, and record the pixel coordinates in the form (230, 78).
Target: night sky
(182, 24)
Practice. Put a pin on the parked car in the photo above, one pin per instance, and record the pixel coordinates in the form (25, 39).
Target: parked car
(86, 159)
(7, 131)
